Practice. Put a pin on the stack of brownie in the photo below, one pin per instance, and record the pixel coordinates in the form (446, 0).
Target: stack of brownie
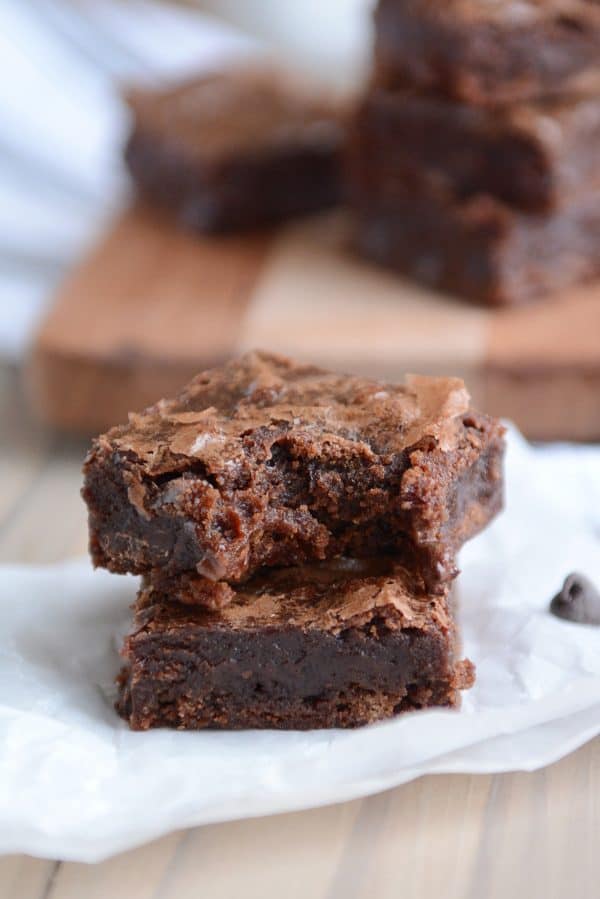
(297, 533)
(475, 156)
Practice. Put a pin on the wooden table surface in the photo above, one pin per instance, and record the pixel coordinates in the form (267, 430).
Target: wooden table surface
(534, 835)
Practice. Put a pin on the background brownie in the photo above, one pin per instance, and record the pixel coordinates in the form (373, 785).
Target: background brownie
(334, 645)
(237, 149)
(269, 462)
(490, 51)
(479, 248)
(536, 156)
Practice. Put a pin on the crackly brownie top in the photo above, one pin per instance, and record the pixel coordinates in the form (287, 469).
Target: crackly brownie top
(331, 596)
(510, 13)
(245, 109)
(230, 414)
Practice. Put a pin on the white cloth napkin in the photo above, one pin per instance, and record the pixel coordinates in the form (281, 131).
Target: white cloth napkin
(75, 783)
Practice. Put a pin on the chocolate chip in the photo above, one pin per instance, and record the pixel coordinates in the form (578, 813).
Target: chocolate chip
(578, 601)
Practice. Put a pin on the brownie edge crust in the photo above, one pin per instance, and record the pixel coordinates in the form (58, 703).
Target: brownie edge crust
(266, 462)
(338, 644)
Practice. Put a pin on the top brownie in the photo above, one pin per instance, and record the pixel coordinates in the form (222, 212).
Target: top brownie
(490, 51)
(268, 462)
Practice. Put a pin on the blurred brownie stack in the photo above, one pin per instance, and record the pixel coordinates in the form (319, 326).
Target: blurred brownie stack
(297, 533)
(474, 160)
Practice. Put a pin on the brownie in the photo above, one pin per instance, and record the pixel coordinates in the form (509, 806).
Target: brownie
(490, 51)
(265, 461)
(536, 156)
(236, 150)
(337, 644)
(478, 249)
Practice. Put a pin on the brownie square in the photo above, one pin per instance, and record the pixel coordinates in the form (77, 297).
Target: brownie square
(535, 156)
(490, 51)
(236, 150)
(479, 249)
(265, 461)
(338, 644)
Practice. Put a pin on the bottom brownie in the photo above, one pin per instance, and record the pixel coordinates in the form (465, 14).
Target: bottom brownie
(479, 248)
(338, 644)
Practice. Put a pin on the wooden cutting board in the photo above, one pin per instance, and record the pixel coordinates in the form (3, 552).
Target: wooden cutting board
(152, 305)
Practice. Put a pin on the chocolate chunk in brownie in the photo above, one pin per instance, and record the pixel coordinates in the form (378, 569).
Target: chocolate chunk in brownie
(490, 51)
(479, 248)
(535, 156)
(236, 150)
(338, 644)
(268, 462)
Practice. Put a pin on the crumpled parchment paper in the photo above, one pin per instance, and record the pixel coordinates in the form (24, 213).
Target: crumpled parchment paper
(75, 783)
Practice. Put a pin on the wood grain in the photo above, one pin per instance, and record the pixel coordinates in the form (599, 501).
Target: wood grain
(486, 837)
(153, 305)
(544, 360)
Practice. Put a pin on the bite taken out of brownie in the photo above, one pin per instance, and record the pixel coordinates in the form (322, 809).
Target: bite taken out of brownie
(268, 462)
(335, 644)
(236, 149)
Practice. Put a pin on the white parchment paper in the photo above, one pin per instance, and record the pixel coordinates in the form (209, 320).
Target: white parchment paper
(76, 784)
